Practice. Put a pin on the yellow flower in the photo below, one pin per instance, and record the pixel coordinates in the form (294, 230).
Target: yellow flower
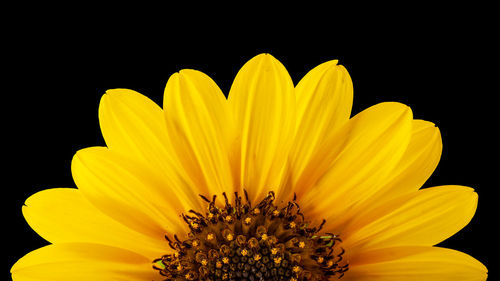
(270, 162)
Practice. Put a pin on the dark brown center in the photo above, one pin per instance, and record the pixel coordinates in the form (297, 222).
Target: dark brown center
(245, 242)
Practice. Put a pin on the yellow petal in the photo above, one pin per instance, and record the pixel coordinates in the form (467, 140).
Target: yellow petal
(263, 104)
(200, 129)
(83, 262)
(416, 264)
(426, 218)
(134, 125)
(352, 164)
(419, 161)
(130, 192)
(63, 215)
(415, 167)
(324, 102)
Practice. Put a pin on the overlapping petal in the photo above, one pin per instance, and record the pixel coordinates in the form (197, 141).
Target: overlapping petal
(415, 167)
(324, 102)
(352, 164)
(62, 215)
(417, 163)
(130, 192)
(200, 128)
(424, 218)
(134, 126)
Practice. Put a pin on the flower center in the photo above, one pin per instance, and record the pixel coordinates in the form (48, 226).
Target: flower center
(245, 242)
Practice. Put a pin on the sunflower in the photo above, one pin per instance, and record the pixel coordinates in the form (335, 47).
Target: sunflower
(275, 182)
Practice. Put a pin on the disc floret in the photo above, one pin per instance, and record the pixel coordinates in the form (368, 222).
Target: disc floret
(245, 242)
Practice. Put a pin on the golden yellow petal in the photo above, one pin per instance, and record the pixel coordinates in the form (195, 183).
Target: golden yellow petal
(83, 262)
(62, 215)
(324, 102)
(352, 164)
(413, 263)
(426, 218)
(263, 104)
(200, 129)
(130, 192)
(134, 125)
(415, 167)
(418, 162)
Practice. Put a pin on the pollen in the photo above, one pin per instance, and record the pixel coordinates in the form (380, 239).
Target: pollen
(239, 241)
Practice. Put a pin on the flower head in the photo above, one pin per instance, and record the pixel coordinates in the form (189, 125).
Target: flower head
(276, 182)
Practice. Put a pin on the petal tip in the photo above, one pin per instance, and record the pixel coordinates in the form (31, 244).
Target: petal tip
(117, 92)
(265, 60)
(399, 107)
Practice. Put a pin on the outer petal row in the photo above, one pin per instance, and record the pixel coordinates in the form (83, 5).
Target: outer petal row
(425, 218)
(129, 192)
(414, 263)
(63, 215)
(83, 262)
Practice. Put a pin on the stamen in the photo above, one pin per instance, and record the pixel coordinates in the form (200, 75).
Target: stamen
(248, 220)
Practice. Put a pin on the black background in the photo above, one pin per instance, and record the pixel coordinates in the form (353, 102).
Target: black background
(58, 68)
